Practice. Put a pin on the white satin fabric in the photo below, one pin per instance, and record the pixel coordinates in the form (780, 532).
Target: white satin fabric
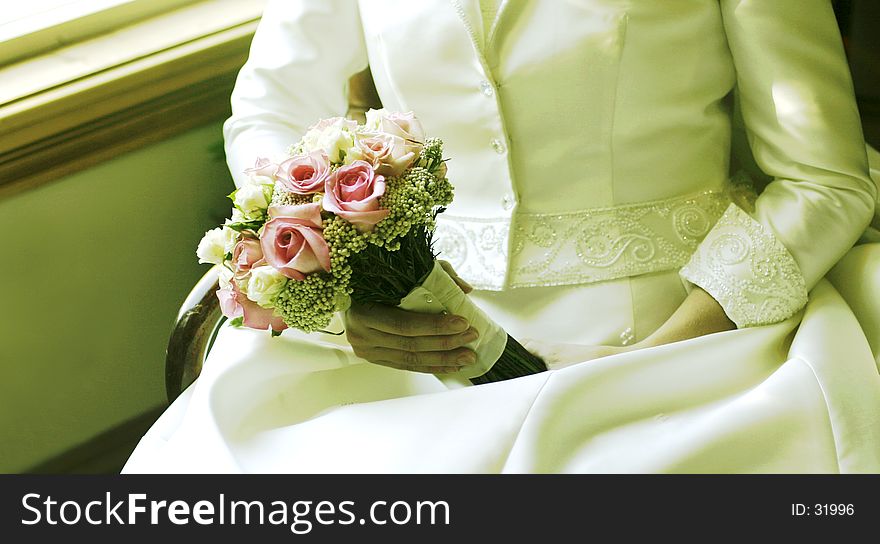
(568, 108)
(802, 395)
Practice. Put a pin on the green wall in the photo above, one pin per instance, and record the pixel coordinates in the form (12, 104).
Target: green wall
(92, 271)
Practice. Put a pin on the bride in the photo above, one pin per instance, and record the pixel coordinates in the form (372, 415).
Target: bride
(690, 325)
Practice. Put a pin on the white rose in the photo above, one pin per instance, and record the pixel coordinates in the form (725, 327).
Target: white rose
(334, 136)
(251, 199)
(230, 238)
(260, 181)
(335, 142)
(225, 277)
(242, 283)
(374, 119)
(212, 247)
(264, 285)
(237, 216)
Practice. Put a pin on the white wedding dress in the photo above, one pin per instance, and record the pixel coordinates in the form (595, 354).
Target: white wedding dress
(795, 388)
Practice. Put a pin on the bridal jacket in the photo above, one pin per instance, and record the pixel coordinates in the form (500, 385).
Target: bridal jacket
(590, 139)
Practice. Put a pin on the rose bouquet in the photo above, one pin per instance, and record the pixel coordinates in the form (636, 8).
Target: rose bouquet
(348, 215)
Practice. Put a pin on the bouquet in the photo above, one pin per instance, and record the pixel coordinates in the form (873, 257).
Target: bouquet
(348, 215)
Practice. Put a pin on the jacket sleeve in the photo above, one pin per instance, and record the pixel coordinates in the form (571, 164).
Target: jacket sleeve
(873, 232)
(302, 55)
(804, 131)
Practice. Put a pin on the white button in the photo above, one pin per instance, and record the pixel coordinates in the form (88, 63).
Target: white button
(497, 145)
(486, 88)
(507, 201)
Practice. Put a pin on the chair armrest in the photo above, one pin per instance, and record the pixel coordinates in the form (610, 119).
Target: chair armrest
(192, 334)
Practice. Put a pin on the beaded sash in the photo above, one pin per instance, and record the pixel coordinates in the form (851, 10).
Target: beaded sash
(578, 247)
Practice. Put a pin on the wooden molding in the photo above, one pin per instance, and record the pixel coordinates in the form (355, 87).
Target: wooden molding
(64, 129)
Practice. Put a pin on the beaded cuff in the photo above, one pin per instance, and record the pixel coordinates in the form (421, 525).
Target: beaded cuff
(748, 271)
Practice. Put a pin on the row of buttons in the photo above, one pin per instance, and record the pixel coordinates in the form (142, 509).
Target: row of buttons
(488, 90)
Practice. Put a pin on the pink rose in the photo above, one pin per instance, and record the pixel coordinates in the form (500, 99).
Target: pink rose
(353, 192)
(292, 241)
(304, 174)
(233, 303)
(246, 255)
(389, 155)
(263, 167)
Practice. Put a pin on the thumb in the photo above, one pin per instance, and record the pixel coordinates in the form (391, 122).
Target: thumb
(465, 286)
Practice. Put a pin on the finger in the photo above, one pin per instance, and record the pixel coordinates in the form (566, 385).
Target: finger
(404, 323)
(356, 332)
(411, 360)
(465, 286)
(424, 370)
(444, 342)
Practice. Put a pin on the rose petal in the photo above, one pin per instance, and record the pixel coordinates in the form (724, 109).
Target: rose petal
(263, 167)
(319, 247)
(257, 317)
(303, 263)
(309, 213)
(363, 221)
(229, 306)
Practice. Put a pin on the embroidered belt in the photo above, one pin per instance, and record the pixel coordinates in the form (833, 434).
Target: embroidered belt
(587, 246)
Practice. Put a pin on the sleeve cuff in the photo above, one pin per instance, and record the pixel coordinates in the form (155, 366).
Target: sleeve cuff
(748, 271)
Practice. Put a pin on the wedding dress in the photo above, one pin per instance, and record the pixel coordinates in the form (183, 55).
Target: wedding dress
(590, 149)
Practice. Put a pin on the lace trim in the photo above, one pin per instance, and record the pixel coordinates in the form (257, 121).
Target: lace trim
(748, 271)
(476, 248)
(580, 247)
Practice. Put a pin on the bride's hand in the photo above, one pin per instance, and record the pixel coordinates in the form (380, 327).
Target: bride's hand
(558, 356)
(698, 315)
(418, 342)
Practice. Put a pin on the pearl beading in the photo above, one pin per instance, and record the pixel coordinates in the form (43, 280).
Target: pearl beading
(748, 271)
(578, 247)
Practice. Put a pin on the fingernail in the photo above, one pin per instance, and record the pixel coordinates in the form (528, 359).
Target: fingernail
(458, 324)
(470, 335)
(466, 359)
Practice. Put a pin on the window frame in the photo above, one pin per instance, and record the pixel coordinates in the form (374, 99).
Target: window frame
(58, 27)
(74, 107)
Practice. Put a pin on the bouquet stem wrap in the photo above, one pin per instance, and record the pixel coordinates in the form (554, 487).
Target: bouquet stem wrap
(439, 293)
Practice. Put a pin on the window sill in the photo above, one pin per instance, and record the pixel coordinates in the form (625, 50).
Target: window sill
(82, 104)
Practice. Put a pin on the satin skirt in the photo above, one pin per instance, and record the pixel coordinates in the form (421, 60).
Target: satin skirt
(800, 396)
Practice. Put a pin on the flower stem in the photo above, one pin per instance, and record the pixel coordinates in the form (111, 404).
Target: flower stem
(515, 362)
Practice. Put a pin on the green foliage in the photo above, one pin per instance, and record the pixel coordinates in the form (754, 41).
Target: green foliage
(382, 276)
